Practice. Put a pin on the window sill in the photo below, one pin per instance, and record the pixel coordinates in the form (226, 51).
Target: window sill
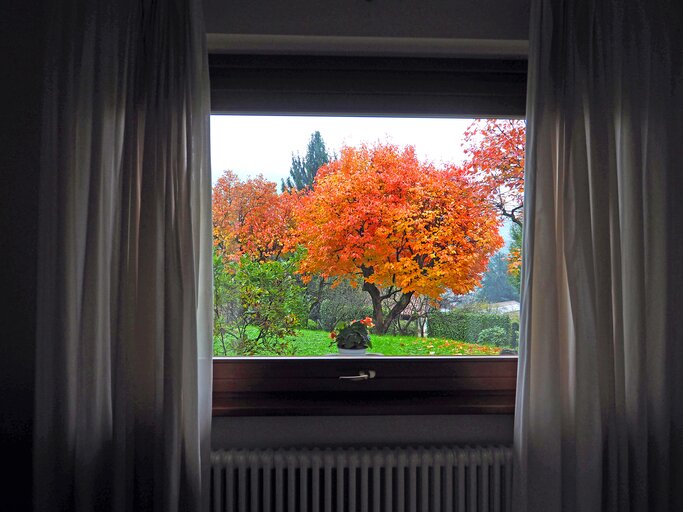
(420, 385)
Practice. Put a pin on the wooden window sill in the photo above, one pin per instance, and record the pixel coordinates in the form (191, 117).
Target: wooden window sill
(311, 386)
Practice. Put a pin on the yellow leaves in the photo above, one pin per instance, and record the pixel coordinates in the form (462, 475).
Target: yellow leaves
(515, 262)
(442, 347)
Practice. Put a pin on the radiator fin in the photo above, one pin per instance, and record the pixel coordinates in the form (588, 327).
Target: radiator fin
(436, 479)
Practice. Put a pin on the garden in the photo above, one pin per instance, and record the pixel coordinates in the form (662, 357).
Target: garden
(317, 343)
(374, 239)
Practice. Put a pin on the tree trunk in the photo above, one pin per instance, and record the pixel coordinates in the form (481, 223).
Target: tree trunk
(314, 312)
(381, 322)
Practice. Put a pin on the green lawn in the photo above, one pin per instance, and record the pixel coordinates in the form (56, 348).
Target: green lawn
(318, 343)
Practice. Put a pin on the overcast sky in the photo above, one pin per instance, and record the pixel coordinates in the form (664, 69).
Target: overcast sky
(252, 145)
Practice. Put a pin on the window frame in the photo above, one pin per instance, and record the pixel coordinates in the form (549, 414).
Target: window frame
(365, 86)
(259, 386)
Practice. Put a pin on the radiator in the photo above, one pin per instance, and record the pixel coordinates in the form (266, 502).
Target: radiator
(439, 479)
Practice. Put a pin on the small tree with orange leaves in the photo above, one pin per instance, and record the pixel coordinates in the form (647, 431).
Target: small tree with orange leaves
(250, 218)
(400, 226)
(495, 150)
(258, 301)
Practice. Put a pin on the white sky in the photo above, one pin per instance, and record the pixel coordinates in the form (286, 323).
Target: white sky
(252, 145)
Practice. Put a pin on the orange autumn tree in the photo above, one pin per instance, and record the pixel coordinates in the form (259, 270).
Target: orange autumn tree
(258, 302)
(495, 151)
(379, 216)
(495, 154)
(250, 218)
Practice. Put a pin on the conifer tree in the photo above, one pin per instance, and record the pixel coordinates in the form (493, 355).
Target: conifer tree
(303, 170)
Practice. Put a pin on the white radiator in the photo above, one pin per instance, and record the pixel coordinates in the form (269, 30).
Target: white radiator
(440, 479)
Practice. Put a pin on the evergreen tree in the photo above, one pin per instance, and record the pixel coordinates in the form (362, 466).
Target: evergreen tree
(303, 170)
(496, 285)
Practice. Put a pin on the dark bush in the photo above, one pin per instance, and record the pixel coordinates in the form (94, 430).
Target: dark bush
(493, 336)
(410, 330)
(464, 325)
(514, 338)
(343, 303)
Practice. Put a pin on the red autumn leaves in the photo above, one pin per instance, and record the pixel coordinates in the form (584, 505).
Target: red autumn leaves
(251, 218)
(379, 215)
(495, 151)
(380, 218)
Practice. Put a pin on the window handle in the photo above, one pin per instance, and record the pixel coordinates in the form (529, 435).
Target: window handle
(362, 375)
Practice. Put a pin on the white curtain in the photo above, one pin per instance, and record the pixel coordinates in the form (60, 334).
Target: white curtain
(599, 419)
(124, 307)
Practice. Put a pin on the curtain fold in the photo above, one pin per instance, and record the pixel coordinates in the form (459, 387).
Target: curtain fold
(599, 422)
(124, 302)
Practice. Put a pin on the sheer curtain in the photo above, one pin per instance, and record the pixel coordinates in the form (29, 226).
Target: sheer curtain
(124, 328)
(599, 420)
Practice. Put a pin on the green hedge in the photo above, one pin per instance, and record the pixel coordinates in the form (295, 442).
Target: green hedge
(494, 336)
(466, 325)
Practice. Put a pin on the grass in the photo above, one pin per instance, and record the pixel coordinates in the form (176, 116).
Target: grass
(317, 343)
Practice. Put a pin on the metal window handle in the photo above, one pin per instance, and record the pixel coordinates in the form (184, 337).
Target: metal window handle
(362, 375)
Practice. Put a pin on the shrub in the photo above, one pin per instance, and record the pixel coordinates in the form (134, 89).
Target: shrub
(354, 336)
(342, 303)
(463, 325)
(257, 306)
(332, 312)
(410, 330)
(493, 336)
(514, 338)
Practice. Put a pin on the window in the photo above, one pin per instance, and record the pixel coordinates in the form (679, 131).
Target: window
(374, 243)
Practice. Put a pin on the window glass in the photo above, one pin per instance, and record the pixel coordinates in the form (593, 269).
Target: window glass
(349, 235)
